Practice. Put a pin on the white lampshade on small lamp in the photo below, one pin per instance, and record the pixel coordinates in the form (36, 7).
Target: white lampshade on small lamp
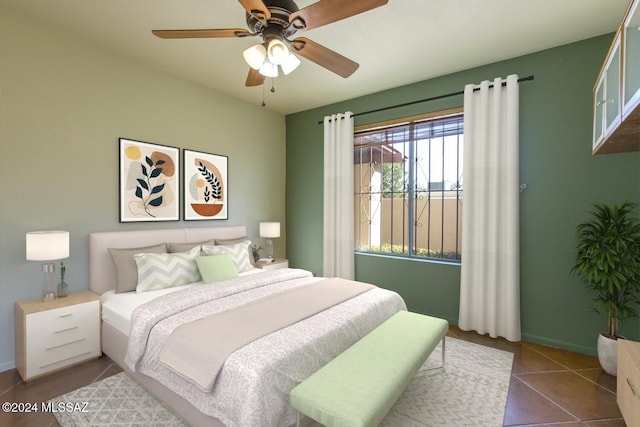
(269, 231)
(47, 246)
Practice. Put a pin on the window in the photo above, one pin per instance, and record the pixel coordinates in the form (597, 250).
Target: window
(408, 187)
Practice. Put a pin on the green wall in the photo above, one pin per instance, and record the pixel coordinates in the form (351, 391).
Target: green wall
(64, 102)
(562, 179)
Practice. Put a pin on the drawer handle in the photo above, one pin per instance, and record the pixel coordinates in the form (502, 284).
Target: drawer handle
(65, 330)
(64, 360)
(633, 389)
(66, 315)
(67, 343)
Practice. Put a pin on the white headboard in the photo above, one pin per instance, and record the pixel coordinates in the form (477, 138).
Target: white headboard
(102, 274)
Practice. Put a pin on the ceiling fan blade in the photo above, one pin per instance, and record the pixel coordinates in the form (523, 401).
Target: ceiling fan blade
(325, 12)
(324, 57)
(197, 34)
(254, 78)
(257, 9)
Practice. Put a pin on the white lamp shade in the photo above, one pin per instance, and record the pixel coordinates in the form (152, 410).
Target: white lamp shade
(255, 55)
(47, 245)
(269, 230)
(277, 51)
(268, 69)
(290, 63)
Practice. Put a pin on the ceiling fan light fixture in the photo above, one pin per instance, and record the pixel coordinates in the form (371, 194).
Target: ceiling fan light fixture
(290, 63)
(255, 56)
(268, 69)
(277, 51)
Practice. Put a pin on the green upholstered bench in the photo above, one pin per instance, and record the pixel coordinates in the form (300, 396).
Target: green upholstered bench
(359, 386)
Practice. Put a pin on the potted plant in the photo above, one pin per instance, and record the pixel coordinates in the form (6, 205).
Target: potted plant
(608, 260)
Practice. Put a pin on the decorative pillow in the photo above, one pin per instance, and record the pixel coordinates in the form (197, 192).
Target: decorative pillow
(184, 247)
(126, 270)
(230, 241)
(239, 253)
(214, 268)
(161, 271)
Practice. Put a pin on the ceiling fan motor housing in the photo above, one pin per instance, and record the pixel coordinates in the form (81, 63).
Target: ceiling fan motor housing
(280, 11)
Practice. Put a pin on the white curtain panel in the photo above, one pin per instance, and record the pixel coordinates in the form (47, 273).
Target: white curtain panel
(490, 271)
(338, 239)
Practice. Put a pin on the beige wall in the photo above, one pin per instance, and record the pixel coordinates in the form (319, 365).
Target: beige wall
(64, 102)
(398, 234)
(442, 214)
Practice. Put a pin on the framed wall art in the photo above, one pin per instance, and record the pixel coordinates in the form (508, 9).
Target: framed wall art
(149, 182)
(205, 186)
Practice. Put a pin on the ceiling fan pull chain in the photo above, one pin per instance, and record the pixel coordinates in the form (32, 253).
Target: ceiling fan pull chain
(263, 103)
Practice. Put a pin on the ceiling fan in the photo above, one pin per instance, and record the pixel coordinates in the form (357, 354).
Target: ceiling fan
(276, 21)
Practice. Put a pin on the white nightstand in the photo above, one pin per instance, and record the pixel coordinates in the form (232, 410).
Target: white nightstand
(274, 265)
(52, 335)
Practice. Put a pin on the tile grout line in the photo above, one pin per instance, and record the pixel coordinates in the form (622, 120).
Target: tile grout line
(575, 371)
(12, 387)
(96, 379)
(546, 397)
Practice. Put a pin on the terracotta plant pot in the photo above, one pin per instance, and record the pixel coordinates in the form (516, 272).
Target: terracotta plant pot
(203, 209)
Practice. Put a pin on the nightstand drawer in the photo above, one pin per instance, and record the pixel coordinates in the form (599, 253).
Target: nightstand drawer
(64, 354)
(62, 333)
(54, 335)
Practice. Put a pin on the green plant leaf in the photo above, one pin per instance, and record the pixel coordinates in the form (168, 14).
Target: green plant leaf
(608, 260)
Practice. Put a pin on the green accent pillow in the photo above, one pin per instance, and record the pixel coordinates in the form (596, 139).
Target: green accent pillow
(214, 268)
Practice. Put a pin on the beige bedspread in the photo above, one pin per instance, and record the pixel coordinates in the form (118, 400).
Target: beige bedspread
(197, 350)
(252, 388)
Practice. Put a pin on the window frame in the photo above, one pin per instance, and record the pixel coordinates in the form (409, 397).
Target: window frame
(412, 189)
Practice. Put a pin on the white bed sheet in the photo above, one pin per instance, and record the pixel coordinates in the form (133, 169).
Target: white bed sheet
(118, 308)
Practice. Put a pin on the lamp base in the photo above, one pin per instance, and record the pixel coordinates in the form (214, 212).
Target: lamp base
(269, 249)
(48, 296)
(48, 288)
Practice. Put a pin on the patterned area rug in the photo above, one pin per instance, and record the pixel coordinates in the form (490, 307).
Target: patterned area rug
(471, 391)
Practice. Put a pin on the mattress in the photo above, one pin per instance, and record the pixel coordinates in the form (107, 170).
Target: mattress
(118, 308)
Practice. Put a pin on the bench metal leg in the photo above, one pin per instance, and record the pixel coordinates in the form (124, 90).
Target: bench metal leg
(297, 418)
(443, 352)
(443, 357)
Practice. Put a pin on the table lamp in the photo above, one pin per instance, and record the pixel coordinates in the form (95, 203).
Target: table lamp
(269, 231)
(47, 246)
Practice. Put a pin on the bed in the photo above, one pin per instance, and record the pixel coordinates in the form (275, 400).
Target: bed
(252, 385)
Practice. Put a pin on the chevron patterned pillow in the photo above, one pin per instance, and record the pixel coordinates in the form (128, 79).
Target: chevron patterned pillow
(161, 271)
(239, 253)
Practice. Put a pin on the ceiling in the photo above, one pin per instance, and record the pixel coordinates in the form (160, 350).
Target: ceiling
(402, 42)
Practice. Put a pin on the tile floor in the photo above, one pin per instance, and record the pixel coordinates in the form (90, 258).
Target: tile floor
(554, 387)
(548, 387)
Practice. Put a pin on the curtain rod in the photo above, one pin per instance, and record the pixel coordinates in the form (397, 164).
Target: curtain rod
(433, 98)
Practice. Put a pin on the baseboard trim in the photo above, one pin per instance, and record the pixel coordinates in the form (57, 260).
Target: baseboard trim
(5, 366)
(591, 351)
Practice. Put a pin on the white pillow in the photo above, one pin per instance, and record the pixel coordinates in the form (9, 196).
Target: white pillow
(239, 253)
(161, 271)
